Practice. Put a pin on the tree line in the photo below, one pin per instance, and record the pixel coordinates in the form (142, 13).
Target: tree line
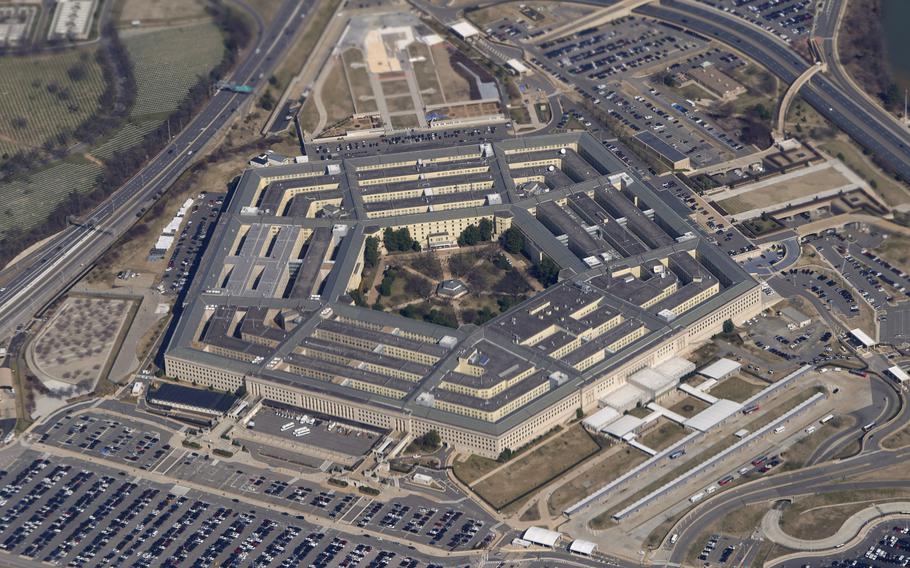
(116, 102)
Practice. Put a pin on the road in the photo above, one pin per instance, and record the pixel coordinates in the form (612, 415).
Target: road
(68, 255)
(851, 111)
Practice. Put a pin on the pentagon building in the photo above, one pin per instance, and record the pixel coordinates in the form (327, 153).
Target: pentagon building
(269, 305)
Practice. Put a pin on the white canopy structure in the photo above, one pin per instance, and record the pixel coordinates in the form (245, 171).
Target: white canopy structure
(542, 537)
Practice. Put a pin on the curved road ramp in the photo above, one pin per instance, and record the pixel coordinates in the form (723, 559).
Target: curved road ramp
(848, 531)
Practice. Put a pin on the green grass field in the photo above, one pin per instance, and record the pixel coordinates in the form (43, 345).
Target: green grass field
(39, 99)
(167, 62)
(25, 202)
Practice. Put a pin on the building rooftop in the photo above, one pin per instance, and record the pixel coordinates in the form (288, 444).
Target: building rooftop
(270, 296)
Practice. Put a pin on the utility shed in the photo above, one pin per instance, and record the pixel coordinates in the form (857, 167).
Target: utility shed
(720, 369)
(713, 415)
(797, 317)
(542, 537)
(584, 547)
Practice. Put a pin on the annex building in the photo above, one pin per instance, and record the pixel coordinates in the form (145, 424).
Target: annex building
(269, 307)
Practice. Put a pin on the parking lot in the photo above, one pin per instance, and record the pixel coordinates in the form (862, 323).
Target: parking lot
(401, 142)
(191, 242)
(825, 288)
(788, 19)
(294, 425)
(887, 545)
(604, 52)
(63, 512)
(810, 344)
(120, 440)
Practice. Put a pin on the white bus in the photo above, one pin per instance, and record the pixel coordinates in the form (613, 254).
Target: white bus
(826, 418)
(868, 426)
(288, 426)
(696, 498)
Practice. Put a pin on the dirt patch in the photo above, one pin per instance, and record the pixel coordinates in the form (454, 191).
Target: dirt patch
(608, 467)
(768, 196)
(736, 389)
(336, 96)
(454, 86)
(531, 470)
(77, 341)
(664, 435)
(689, 406)
(162, 11)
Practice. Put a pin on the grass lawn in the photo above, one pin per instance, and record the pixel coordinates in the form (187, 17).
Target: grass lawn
(611, 465)
(736, 389)
(531, 470)
(399, 103)
(896, 250)
(689, 406)
(797, 454)
(899, 439)
(639, 412)
(664, 435)
(40, 100)
(302, 49)
(336, 96)
(473, 467)
(405, 121)
(820, 515)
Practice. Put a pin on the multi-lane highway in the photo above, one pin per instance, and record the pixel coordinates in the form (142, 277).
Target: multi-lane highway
(862, 120)
(60, 261)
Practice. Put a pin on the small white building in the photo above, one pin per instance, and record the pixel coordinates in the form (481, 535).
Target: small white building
(517, 66)
(464, 29)
(797, 317)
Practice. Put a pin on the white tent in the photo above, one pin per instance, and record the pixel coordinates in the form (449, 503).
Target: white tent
(585, 547)
(541, 536)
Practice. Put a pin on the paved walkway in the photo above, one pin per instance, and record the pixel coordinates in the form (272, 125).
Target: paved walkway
(848, 531)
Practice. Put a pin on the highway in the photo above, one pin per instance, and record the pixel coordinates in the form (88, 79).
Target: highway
(852, 112)
(68, 255)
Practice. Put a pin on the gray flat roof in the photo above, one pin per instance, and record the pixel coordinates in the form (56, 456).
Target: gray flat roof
(251, 326)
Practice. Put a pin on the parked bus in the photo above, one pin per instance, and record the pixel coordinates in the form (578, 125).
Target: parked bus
(288, 426)
(826, 418)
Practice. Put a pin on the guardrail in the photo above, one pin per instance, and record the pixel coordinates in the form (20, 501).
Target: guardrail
(722, 455)
(571, 510)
